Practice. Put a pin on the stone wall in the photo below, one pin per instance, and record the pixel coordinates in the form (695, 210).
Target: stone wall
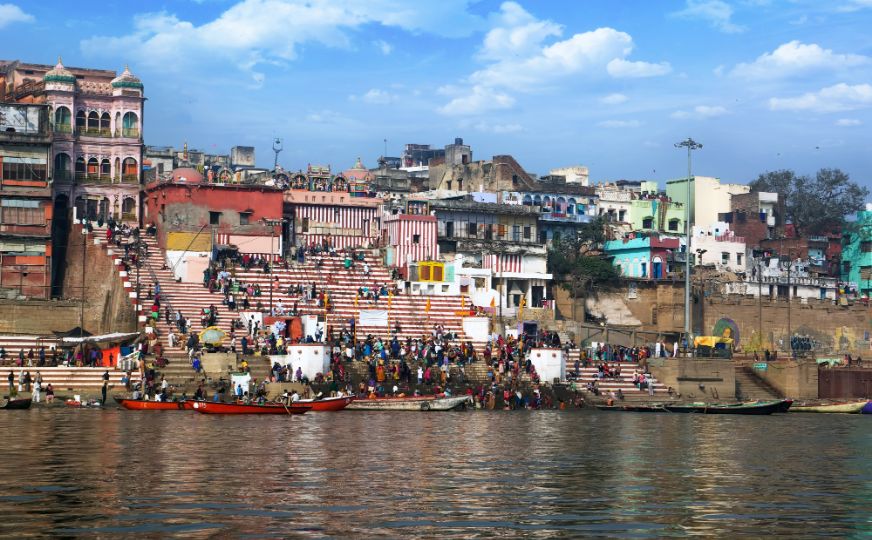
(38, 317)
(793, 379)
(696, 378)
(108, 307)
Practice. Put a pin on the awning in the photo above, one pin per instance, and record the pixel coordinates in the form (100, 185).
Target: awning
(117, 336)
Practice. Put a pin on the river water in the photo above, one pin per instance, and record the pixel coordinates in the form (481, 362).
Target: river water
(114, 473)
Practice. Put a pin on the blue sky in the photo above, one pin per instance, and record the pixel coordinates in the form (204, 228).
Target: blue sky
(763, 84)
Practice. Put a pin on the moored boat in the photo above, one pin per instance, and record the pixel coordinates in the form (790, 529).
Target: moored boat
(867, 409)
(632, 408)
(17, 404)
(752, 407)
(327, 404)
(850, 407)
(211, 407)
(414, 403)
(144, 405)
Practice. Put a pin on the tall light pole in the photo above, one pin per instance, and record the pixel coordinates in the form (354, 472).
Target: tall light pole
(691, 145)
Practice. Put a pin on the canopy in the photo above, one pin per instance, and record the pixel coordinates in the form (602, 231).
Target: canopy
(114, 337)
(212, 336)
(711, 341)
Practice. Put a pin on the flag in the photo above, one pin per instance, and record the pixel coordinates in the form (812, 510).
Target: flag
(428, 306)
(463, 302)
(494, 302)
(356, 296)
(390, 298)
(521, 307)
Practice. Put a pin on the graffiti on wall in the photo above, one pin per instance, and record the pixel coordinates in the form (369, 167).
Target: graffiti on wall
(727, 328)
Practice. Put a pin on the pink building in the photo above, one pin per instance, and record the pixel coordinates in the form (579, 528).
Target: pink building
(96, 118)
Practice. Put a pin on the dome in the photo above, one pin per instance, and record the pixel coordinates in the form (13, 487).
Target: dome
(187, 175)
(126, 80)
(59, 74)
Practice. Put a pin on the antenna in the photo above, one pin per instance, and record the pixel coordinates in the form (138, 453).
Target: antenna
(277, 147)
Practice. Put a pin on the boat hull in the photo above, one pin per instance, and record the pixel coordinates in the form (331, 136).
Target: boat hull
(210, 407)
(867, 409)
(410, 404)
(17, 404)
(632, 408)
(327, 404)
(853, 407)
(756, 408)
(142, 405)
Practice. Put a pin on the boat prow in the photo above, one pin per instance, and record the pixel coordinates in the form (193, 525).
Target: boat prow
(414, 403)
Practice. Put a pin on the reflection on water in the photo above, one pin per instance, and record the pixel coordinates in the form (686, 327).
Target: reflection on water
(475, 474)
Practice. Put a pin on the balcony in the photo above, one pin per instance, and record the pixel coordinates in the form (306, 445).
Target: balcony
(128, 216)
(62, 128)
(90, 178)
(93, 132)
(130, 179)
(130, 133)
(63, 176)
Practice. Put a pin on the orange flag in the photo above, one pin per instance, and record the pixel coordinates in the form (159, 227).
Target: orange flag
(356, 296)
(463, 302)
(428, 306)
(494, 302)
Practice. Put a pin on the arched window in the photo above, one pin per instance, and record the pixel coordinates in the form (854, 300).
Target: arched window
(129, 170)
(105, 124)
(648, 223)
(560, 205)
(93, 122)
(546, 204)
(80, 121)
(673, 224)
(93, 167)
(128, 209)
(62, 120)
(105, 168)
(62, 166)
(537, 200)
(528, 201)
(570, 207)
(130, 125)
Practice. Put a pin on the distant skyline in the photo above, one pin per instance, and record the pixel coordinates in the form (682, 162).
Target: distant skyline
(762, 84)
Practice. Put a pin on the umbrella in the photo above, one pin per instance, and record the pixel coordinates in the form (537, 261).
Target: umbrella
(212, 336)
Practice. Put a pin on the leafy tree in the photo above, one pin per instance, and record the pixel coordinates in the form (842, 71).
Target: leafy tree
(814, 205)
(573, 259)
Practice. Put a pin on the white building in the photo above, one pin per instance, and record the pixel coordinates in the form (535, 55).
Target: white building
(717, 246)
(709, 197)
(578, 174)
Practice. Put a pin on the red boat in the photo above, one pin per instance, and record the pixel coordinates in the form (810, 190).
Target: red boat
(327, 404)
(143, 405)
(210, 407)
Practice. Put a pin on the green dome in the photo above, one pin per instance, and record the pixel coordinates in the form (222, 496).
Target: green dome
(126, 80)
(59, 74)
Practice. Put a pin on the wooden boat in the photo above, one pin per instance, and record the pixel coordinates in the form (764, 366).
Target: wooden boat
(415, 403)
(850, 407)
(17, 404)
(867, 409)
(89, 404)
(144, 405)
(210, 407)
(632, 408)
(753, 407)
(327, 404)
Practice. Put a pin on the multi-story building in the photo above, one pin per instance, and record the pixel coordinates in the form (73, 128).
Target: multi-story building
(646, 256)
(456, 172)
(755, 216)
(415, 155)
(720, 247)
(25, 201)
(615, 200)
(709, 198)
(857, 252)
(495, 244)
(653, 211)
(562, 207)
(96, 121)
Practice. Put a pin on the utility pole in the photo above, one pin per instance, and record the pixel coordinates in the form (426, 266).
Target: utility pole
(789, 264)
(82, 306)
(691, 145)
(760, 302)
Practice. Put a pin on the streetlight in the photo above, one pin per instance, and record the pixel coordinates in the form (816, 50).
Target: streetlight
(691, 145)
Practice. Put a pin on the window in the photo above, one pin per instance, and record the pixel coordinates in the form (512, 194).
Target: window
(23, 169)
(489, 231)
(647, 222)
(865, 273)
(416, 238)
(516, 233)
(214, 218)
(449, 229)
(527, 233)
(460, 184)
(725, 258)
(243, 218)
(739, 259)
(472, 229)
(21, 212)
(673, 224)
(866, 246)
(448, 185)
(621, 215)
(846, 266)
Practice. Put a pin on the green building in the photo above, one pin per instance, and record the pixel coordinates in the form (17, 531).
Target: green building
(857, 251)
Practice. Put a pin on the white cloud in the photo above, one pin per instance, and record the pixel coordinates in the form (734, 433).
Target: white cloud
(375, 96)
(855, 5)
(620, 124)
(325, 116)
(10, 13)
(479, 99)
(840, 97)
(491, 127)
(717, 13)
(252, 32)
(385, 47)
(520, 60)
(614, 99)
(794, 58)
(624, 68)
(848, 122)
(700, 112)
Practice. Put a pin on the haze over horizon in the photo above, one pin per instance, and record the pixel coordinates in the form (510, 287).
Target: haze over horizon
(762, 84)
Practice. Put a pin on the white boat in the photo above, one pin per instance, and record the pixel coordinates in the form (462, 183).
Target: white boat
(417, 403)
(852, 407)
